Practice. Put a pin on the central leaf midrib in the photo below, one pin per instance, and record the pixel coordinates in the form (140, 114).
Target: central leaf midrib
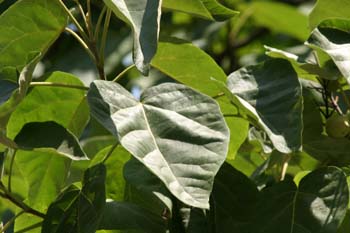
(157, 148)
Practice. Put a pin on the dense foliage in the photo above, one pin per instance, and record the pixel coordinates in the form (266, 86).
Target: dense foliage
(154, 116)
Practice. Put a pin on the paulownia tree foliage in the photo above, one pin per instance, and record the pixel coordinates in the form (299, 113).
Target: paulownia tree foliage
(133, 128)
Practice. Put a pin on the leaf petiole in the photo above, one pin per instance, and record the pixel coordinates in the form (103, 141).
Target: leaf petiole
(51, 84)
(121, 74)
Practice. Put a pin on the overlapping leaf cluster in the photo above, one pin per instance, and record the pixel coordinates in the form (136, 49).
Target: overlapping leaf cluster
(99, 158)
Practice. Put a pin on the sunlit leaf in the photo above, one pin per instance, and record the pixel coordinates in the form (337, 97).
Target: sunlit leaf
(332, 36)
(144, 18)
(29, 26)
(175, 131)
(269, 96)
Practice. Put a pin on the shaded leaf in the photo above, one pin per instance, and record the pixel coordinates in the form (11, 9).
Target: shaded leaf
(318, 205)
(234, 200)
(115, 183)
(144, 18)
(269, 96)
(49, 137)
(124, 215)
(174, 131)
(331, 36)
(145, 189)
(76, 210)
(207, 9)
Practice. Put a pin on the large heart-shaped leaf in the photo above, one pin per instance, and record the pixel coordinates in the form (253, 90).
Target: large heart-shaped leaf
(79, 210)
(178, 133)
(49, 137)
(29, 26)
(269, 95)
(325, 9)
(319, 204)
(144, 18)
(332, 36)
(207, 9)
(188, 64)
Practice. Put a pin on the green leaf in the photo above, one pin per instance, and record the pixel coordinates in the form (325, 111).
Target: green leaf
(280, 17)
(115, 183)
(325, 9)
(188, 64)
(306, 67)
(145, 189)
(49, 137)
(28, 223)
(124, 215)
(234, 200)
(193, 220)
(29, 26)
(67, 107)
(207, 9)
(331, 36)
(78, 210)
(18, 95)
(144, 18)
(44, 173)
(318, 205)
(174, 131)
(269, 95)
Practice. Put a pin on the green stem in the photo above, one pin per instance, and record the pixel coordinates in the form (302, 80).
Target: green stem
(81, 10)
(99, 22)
(121, 74)
(51, 84)
(82, 42)
(36, 225)
(218, 95)
(104, 35)
(10, 222)
(9, 184)
(7, 195)
(110, 152)
(7, 142)
(74, 20)
(89, 20)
